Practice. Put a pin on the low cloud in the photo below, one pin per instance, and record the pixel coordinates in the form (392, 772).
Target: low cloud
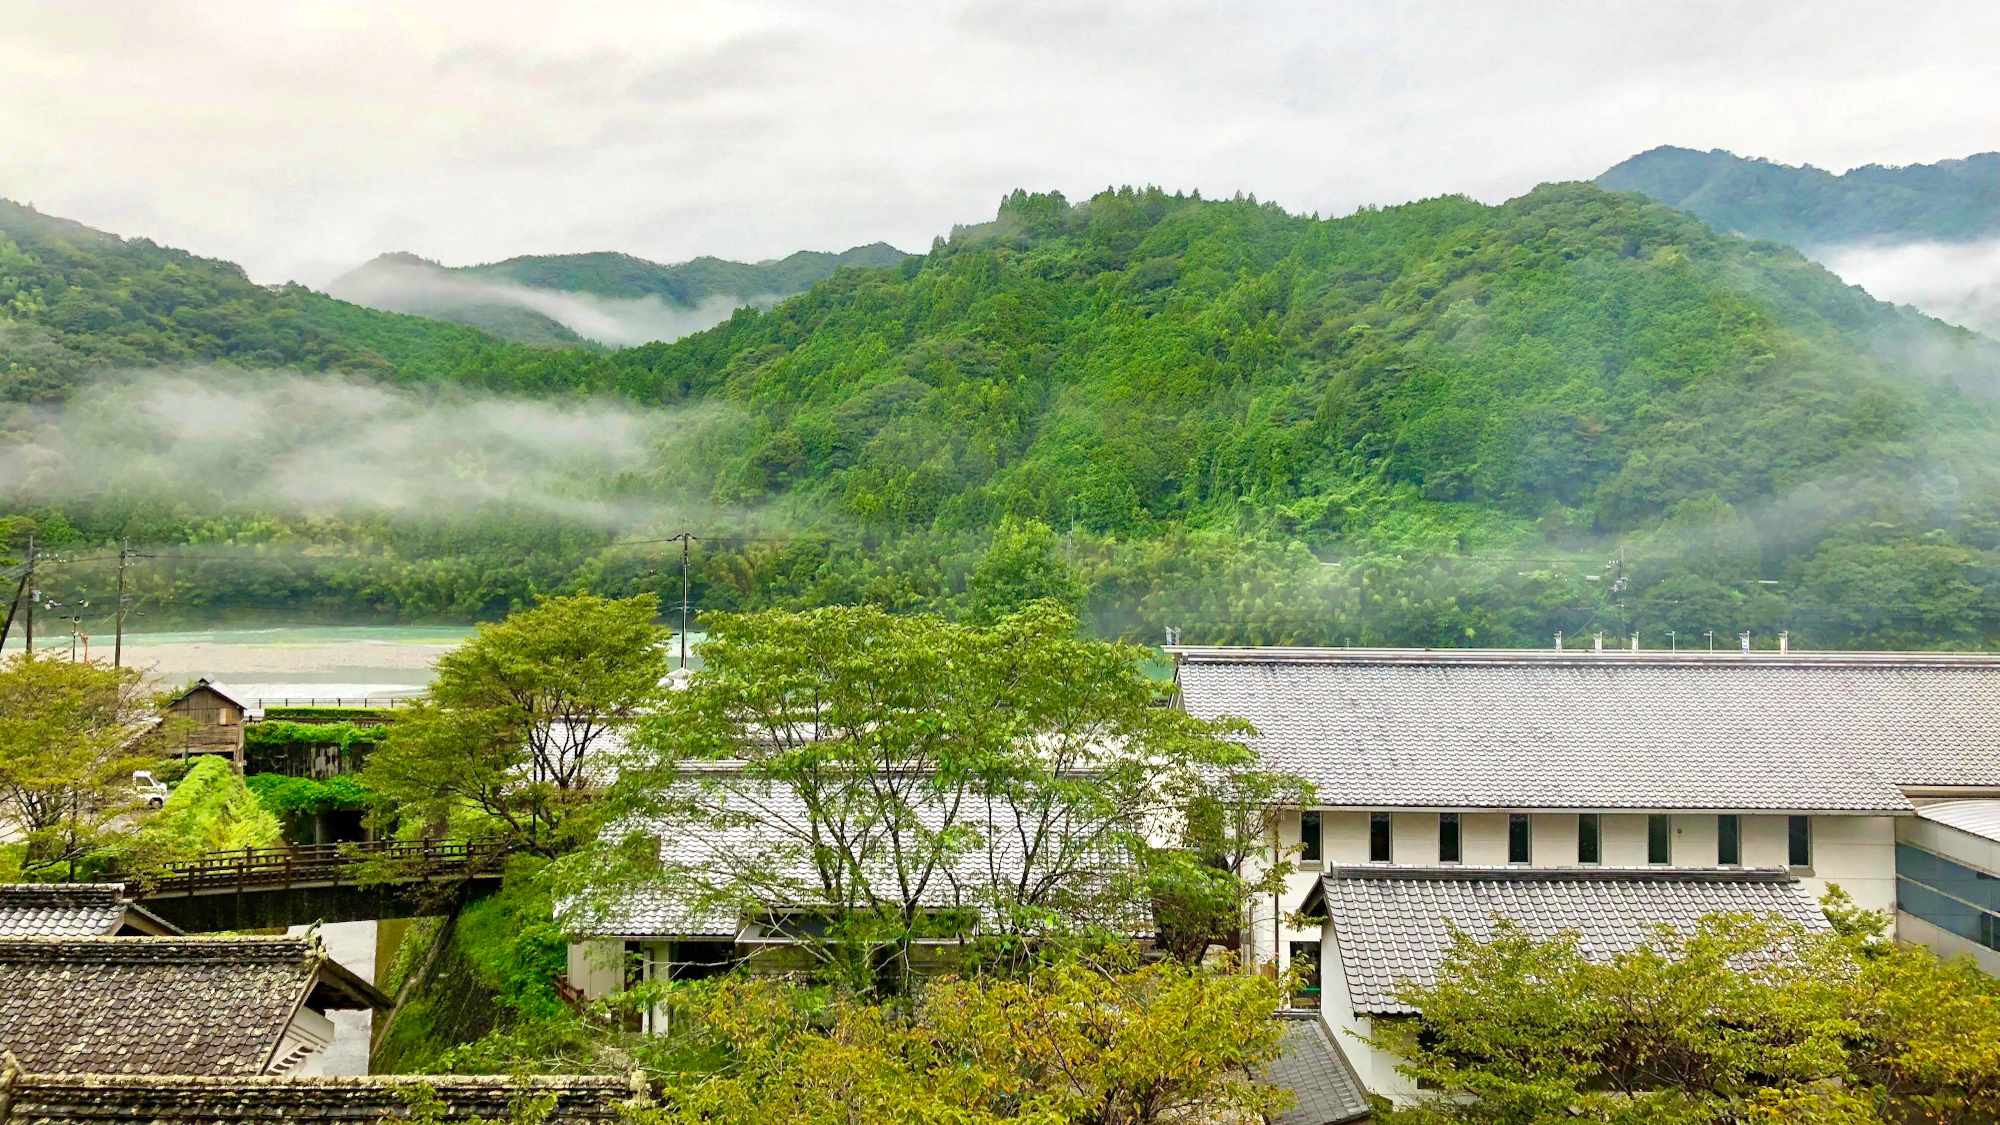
(1955, 282)
(417, 287)
(279, 441)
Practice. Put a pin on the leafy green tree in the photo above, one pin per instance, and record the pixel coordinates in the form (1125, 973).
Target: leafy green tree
(521, 725)
(1022, 565)
(71, 733)
(1073, 1044)
(903, 775)
(211, 809)
(1738, 1020)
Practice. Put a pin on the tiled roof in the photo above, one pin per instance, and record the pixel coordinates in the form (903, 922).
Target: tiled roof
(1393, 924)
(1835, 732)
(1314, 1068)
(71, 910)
(145, 1005)
(1980, 818)
(41, 1099)
(753, 836)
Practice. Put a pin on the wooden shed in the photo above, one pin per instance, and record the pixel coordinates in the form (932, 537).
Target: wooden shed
(216, 717)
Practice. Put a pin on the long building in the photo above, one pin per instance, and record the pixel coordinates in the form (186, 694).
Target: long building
(1604, 793)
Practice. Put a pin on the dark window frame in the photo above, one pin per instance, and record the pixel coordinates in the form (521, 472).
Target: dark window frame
(1799, 841)
(1311, 836)
(1660, 840)
(1308, 995)
(1728, 840)
(1520, 839)
(1451, 838)
(1381, 838)
(1589, 839)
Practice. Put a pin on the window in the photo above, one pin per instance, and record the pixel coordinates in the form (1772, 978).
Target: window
(1586, 838)
(1799, 833)
(1448, 837)
(1378, 837)
(1659, 839)
(1728, 841)
(1309, 836)
(1518, 849)
(1305, 962)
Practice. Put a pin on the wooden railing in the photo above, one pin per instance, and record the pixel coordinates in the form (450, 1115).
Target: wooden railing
(372, 861)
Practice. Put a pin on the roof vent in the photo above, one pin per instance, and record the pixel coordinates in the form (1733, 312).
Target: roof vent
(1785, 641)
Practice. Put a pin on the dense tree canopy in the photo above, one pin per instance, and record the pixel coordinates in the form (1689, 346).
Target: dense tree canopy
(1469, 408)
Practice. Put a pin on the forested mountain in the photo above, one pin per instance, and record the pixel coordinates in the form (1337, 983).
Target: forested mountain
(612, 298)
(1441, 423)
(1950, 201)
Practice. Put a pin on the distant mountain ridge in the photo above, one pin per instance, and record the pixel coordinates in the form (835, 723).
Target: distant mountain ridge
(609, 297)
(1808, 207)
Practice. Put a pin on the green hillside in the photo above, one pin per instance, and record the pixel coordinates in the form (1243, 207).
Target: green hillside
(1441, 423)
(1950, 201)
(560, 299)
(685, 283)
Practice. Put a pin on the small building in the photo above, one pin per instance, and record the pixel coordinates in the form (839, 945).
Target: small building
(75, 910)
(214, 717)
(217, 1007)
(123, 1099)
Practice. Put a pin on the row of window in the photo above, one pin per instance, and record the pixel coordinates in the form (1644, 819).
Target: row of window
(1589, 839)
(1948, 895)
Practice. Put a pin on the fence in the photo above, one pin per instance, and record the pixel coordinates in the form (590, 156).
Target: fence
(355, 701)
(260, 869)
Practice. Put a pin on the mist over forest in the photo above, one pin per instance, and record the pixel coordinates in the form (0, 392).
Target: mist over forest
(1444, 423)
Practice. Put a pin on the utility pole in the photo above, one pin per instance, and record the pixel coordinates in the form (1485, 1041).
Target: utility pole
(685, 539)
(118, 614)
(33, 593)
(20, 591)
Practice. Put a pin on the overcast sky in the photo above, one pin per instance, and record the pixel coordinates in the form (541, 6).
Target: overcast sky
(301, 137)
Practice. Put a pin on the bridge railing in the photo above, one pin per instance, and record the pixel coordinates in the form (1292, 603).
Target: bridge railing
(320, 864)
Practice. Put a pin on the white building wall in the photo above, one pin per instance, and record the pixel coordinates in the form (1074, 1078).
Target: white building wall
(1623, 839)
(597, 968)
(1857, 852)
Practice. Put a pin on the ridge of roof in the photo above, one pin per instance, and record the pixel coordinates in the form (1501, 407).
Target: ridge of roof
(162, 950)
(62, 894)
(1463, 874)
(1607, 658)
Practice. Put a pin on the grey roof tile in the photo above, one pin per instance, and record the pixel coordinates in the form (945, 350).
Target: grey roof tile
(42, 1099)
(147, 1005)
(1550, 730)
(1394, 924)
(1315, 1068)
(68, 910)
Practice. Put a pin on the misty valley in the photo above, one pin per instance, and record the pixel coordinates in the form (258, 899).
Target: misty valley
(1442, 424)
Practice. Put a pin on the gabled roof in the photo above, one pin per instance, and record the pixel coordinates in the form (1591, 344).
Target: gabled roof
(1450, 729)
(228, 693)
(1394, 924)
(41, 1099)
(1315, 1069)
(168, 1005)
(74, 910)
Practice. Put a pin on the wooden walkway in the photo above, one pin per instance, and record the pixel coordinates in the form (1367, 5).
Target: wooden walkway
(367, 863)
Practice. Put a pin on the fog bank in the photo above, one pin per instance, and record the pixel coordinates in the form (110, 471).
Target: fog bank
(1955, 282)
(423, 289)
(282, 441)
